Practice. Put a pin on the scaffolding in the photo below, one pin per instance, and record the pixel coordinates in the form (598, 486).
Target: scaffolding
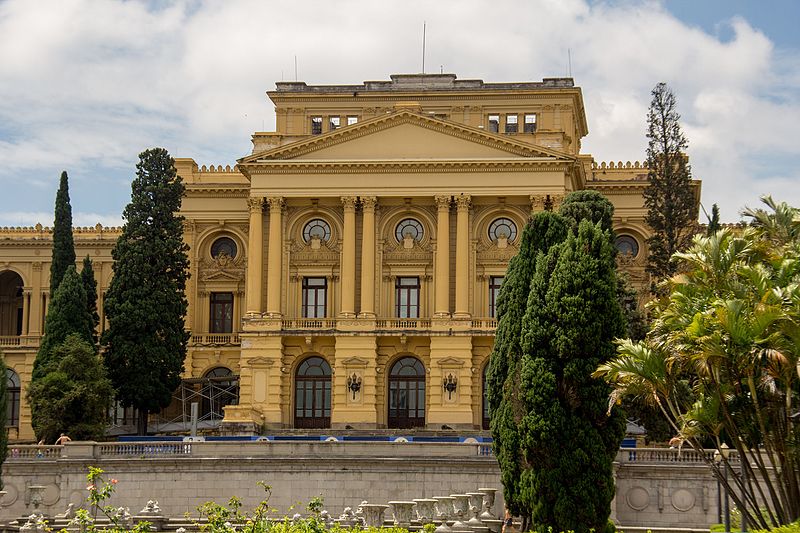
(210, 393)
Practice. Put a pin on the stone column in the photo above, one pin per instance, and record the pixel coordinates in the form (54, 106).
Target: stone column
(255, 255)
(348, 308)
(36, 300)
(462, 256)
(368, 257)
(26, 309)
(275, 254)
(441, 305)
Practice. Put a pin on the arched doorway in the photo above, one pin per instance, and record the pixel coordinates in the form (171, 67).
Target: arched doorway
(312, 394)
(13, 393)
(220, 388)
(10, 303)
(407, 393)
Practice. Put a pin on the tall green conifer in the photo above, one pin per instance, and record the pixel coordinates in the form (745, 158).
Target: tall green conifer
(503, 379)
(713, 223)
(569, 443)
(67, 314)
(63, 243)
(670, 201)
(145, 304)
(90, 285)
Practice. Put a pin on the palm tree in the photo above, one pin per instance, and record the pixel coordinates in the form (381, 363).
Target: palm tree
(730, 331)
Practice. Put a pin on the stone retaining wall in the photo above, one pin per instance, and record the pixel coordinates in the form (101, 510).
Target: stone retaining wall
(655, 488)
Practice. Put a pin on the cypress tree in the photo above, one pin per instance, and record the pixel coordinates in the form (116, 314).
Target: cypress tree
(588, 205)
(90, 285)
(572, 319)
(145, 304)
(63, 243)
(503, 378)
(74, 396)
(68, 313)
(3, 415)
(713, 223)
(670, 202)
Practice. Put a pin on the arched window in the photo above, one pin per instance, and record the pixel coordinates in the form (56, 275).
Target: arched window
(224, 245)
(220, 388)
(627, 245)
(12, 390)
(409, 227)
(312, 394)
(485, 409)
(503, 228)
(407, 394)
(10, 303)
(317, 229)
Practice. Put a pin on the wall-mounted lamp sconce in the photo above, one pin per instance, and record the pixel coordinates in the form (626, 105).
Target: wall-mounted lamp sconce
(354, 384)
(450, 383)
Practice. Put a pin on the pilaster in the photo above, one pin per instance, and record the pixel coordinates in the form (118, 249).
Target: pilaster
(368, 205)
(275, 254)
(255, 255)
(450, 360)
(463, 203)
(348, 309)
(355, 381)
(441, 306)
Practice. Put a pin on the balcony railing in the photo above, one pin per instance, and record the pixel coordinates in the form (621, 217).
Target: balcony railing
(402, 324)
(215, 339)
(10, 340)
(309, 323)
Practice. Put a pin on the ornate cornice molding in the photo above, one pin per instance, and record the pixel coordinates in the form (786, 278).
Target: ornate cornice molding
(383, 167)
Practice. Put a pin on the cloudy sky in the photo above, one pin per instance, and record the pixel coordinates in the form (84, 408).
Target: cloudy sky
(85, 85)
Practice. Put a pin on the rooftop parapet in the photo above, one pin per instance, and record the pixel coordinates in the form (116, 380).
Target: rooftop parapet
(423, 82)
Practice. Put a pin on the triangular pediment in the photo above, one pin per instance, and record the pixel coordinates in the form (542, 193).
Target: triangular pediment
(409, 136)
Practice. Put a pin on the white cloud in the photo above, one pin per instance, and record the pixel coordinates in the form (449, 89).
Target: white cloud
(87, 84)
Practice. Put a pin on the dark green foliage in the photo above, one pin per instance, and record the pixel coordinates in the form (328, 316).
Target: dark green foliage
(66, 314)
(74, 396)
(713, 223)
(635, 321)
(90, 285)
(145, 304)
(543, 231)
(63, 244)
(3, 416)
(587, 205)
(670, 202)
(572, 318)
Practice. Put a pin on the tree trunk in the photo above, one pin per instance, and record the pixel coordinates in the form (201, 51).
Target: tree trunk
(141, 425)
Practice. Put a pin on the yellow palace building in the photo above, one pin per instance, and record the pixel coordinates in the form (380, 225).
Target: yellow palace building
(345, 273)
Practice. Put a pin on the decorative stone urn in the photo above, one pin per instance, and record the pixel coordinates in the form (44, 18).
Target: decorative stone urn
(460, 508)
(373, 514)
(475, 507)
(488, 503)
(401, 510)
(425, 511)
(444, 510)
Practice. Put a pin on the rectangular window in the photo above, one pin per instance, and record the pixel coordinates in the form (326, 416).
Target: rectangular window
(221, 312)
(494, 292)
(407, 297)
(530, 123)
(333, 123)
(315, 292)
(494, 123)
(511, 124)
(316, 125)
(352, 120)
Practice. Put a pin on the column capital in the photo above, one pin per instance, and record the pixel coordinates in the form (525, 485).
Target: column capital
(443, 202)
(463, 202)
(255, 204)
(275, 203)
(368, 203)
(349, 202)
